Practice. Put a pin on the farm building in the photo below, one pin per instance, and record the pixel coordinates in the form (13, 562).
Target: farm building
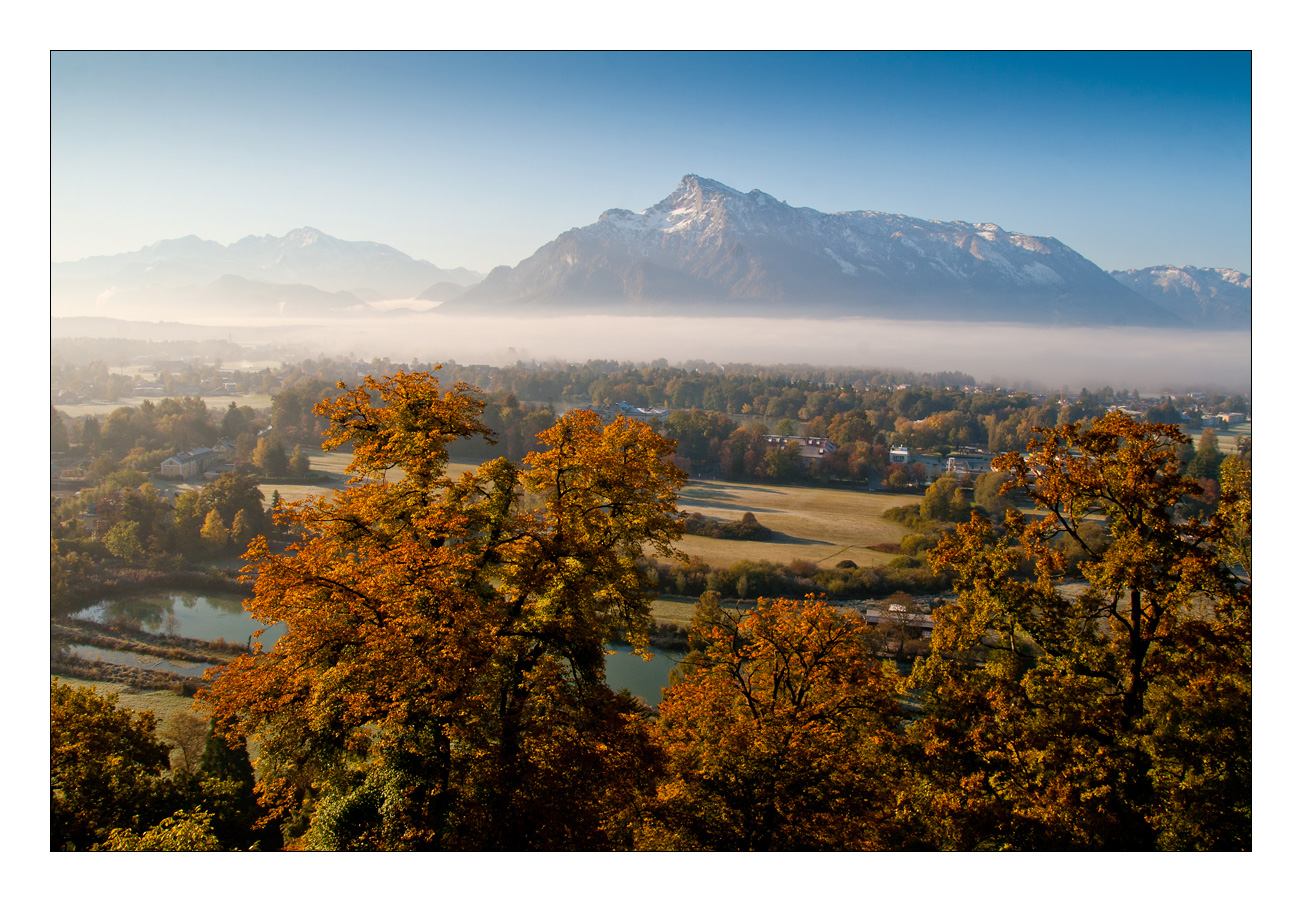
(812, 448)
(194, 463)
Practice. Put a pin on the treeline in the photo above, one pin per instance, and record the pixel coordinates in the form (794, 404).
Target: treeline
(131, 527)
(863, 411)
(749, 580)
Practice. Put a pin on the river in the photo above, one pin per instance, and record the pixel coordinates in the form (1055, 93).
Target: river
(221, 615)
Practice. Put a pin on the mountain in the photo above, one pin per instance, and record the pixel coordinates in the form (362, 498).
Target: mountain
(1210, 298)
(441, 291)
(305, 257)
(708, 248)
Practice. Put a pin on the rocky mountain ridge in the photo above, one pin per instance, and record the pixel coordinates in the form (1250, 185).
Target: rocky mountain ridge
(708, 248)
(1204, 296)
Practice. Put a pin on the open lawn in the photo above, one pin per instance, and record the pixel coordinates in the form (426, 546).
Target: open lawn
(814, 524)
(217, 403)
(331, 463)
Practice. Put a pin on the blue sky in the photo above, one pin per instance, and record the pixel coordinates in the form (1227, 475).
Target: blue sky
(470, 159)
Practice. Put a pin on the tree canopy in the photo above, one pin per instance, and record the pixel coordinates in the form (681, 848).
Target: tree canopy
(440, 682)
(776, 732)
(1116, 716)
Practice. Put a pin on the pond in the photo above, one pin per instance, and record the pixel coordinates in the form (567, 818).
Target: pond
(195, 615)
(645, 679)
(221, 615)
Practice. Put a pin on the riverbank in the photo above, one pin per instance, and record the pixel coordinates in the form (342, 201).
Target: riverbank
(106, 583)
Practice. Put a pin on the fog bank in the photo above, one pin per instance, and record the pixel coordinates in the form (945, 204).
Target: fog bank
(1010, 355)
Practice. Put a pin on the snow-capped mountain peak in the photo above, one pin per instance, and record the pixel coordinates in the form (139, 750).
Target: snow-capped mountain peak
(708, 245)
(1204, 296)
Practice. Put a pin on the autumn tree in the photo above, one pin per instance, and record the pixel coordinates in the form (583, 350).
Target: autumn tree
(58, 432)
(241, 530)
(214, 533)
(1206, 463)
(107, 769)
(944, 501)
(1113, 717)
(269, 457)
(440, 683)
(777, 729)
(299, 463)
(187, 735)
(123, 541)
(186, 831)
(989, 495)
(230, 494)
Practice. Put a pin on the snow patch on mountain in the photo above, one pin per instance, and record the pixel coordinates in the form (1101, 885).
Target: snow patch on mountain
(1204, 296)
(848, 268)
(709, 247)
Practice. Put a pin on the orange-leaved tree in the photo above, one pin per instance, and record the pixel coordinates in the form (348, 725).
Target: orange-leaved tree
(778, 733)
(440, 681)
(1109, 714)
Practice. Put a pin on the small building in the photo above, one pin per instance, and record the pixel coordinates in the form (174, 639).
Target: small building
(178, 466)
(968, 464)
(900, 454)
(190, 463)
(812, 448)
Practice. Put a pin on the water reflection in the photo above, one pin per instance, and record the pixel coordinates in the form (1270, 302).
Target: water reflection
(209, 616)
(645, 679)
(221, 615)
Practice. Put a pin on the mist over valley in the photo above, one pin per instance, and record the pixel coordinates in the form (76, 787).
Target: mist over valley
(1030, 356)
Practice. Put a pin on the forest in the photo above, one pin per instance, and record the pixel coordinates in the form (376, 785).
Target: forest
(1087, 685)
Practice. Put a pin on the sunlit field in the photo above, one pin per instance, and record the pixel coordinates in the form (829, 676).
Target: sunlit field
(216, 403)
(825, 526)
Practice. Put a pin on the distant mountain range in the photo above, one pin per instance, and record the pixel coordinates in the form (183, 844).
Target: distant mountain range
(1209, 298)
(305, 271)
(705, 249)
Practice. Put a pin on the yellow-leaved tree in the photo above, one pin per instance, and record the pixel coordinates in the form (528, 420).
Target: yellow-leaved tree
(440, 681)
(1114, 713)
(778, 734)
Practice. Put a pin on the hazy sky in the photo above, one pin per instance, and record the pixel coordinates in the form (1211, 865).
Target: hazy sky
(474, 159)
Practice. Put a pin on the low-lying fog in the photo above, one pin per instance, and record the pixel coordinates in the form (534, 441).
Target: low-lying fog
(1014, 355)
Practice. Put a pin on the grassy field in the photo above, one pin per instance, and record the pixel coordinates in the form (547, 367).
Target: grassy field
(331, 463)
(217, 403)
(820, 525)
(1227, 437)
